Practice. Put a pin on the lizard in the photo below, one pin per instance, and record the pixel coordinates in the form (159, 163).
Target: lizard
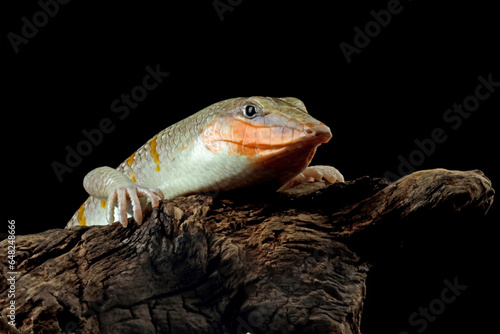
(235, 143)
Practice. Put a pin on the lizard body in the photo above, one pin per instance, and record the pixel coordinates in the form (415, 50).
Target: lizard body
(231, 144)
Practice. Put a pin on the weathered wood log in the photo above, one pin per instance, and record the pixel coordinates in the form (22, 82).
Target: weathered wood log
(291, 262)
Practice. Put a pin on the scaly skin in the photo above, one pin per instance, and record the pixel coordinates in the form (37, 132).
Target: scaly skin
(232, 144)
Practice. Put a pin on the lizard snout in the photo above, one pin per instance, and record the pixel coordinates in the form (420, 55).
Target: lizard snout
(319, 131)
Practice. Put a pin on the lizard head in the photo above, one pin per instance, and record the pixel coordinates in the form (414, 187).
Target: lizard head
(276, 136)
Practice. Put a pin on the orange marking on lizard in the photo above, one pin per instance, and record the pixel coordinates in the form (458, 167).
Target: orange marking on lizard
(155, 154)
(131, 159)
(246, 139)
(103, 204)
(81, 215)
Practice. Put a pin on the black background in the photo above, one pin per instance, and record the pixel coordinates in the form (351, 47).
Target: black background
(393, 92)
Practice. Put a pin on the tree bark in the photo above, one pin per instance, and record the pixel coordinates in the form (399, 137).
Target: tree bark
(290, 262)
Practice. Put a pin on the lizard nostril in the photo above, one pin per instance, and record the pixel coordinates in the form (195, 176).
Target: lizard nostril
(309, 131)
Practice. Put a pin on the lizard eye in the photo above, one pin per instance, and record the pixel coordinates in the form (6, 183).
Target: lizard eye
(249, 111)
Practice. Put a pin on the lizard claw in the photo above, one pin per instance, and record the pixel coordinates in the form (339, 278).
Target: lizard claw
(122, 195)
(314, 174)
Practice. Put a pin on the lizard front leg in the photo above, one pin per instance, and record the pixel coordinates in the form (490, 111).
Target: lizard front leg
(108, 184)
(314, 174)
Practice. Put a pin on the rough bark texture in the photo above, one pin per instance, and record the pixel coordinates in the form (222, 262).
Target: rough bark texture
(292, 262)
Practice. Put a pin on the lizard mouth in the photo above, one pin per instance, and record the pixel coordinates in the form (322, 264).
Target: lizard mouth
(261, 141)
(264, 141)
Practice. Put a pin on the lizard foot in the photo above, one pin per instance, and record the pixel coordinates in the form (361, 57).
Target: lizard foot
(314, 174)
(122, 195)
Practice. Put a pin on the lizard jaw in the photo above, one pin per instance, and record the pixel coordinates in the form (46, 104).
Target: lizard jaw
(256, 141)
